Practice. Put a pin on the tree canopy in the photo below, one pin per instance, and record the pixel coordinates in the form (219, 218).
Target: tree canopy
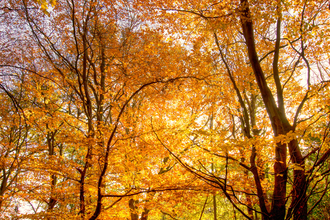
(162, 109)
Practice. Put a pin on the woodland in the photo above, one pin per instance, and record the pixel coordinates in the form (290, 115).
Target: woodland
(165, 109)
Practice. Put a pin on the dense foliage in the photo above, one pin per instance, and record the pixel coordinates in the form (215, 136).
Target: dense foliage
(163, 109)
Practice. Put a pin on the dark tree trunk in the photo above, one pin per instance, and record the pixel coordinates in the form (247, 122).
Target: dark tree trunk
(280, 126)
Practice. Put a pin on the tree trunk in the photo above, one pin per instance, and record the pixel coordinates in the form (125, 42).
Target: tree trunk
(144, 215)
(132, 208)
(214, 207)
(298, 207)
(277, 118)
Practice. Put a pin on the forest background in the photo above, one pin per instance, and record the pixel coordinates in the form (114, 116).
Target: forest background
(164, 109)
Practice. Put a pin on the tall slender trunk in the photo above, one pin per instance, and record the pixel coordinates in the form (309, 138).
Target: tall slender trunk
(214, 207)
(87, 105)
(51, 152)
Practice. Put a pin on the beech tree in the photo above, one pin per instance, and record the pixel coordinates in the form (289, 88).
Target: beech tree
(275, 41)
(88, 65)
(143, 109)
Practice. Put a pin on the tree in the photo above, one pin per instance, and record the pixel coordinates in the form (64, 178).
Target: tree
(15, 135)
(276, 45)
(88, 66)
